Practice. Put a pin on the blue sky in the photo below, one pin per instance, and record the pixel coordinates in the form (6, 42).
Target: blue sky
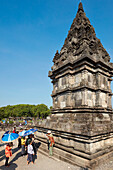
(30, 33)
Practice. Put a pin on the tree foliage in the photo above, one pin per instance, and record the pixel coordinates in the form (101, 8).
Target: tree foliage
(25, 110)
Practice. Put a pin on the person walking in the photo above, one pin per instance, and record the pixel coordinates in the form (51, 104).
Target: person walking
(23, 146)
(30, 152)
(8, 153)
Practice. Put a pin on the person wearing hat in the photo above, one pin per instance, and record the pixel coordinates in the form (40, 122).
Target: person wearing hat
(51, 142)
(47, 135)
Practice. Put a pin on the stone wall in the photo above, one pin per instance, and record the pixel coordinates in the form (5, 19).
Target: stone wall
(84, 88)
(76, 149)
(82, 114)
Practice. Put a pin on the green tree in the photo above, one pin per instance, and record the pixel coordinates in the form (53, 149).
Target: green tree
(25, 110)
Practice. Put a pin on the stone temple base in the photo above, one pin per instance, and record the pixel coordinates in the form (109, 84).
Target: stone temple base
(64, 155)
(84, 139)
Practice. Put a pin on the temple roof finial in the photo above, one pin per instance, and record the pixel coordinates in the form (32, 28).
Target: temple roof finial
(80, 6)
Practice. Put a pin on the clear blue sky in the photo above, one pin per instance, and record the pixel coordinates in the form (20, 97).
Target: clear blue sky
(30, 33)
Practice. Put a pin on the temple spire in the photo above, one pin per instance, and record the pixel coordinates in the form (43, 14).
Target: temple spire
(81, 41)
(80, 7)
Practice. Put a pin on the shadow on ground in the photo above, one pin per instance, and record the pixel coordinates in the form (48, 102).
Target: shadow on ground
(13, 166)
(37, 145)
(2, 144)
(3, 153)
(18, 155)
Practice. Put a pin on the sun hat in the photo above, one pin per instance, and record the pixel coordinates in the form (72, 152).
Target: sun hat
(49, 131)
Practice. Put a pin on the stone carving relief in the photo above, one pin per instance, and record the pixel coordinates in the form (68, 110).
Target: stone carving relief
(81, 36)
(80, 64)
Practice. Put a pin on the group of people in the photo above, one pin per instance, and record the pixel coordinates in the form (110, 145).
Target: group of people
(28, 146)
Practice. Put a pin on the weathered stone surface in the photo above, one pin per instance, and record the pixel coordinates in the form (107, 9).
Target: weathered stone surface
(81, 40)
(82, 115)
(82, 65)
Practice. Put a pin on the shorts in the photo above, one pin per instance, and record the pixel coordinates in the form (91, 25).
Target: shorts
(30, 157)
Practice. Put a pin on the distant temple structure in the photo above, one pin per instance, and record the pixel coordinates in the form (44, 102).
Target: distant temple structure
(82, 115)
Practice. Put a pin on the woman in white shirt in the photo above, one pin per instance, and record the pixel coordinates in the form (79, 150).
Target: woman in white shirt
(30, 152)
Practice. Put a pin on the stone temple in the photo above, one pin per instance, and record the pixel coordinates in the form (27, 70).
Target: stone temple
(82, 115)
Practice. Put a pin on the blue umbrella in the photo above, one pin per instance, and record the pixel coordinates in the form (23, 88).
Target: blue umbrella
(9, 137)
(30, 131)
(5, 133)
(35, 130)
(22, 133)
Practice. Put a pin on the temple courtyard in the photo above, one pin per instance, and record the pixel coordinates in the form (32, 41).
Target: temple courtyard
(42, 162)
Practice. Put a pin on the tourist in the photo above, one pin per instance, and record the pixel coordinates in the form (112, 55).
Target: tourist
(51, 139)
(23, 146)
(8, 153)
(47, 136)
(28, 139)
(31, 138)
(14, 130)
(20, 125)
(33, 143)
(30, 152)
(25, 122)
(19, 141)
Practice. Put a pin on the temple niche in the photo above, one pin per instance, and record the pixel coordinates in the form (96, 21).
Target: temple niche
(82, 115)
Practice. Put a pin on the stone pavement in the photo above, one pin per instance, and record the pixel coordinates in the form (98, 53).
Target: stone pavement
(42, 162)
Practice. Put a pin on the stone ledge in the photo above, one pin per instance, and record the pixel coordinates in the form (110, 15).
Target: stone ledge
(79, 88)
(74, 159)
(80, 60)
